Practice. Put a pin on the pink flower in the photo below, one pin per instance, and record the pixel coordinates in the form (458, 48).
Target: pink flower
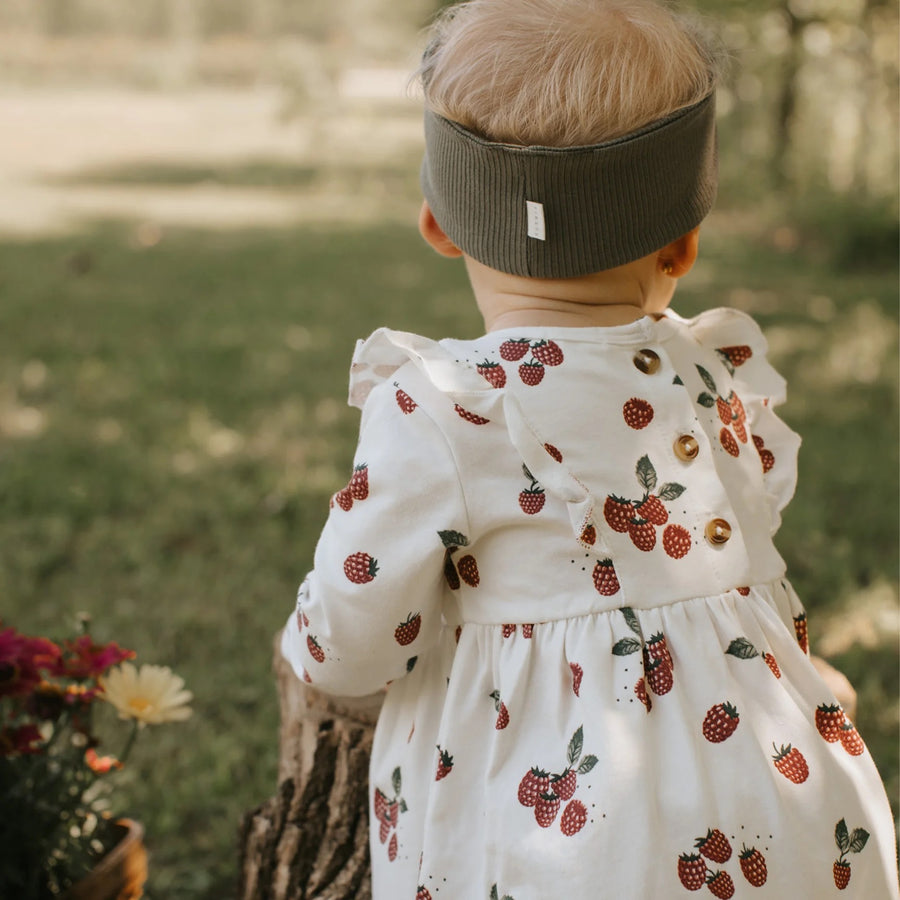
(82, 658)
(22, 659)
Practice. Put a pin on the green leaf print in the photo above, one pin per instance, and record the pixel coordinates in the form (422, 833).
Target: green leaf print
(632, 621)
(858, 839)
(670, 491)
(707, 379)
(646, 474)
(743, 649)
(841, 836)
(453, 539)
(576, 745)
(396, 781)
(587, 764)
(626, 646)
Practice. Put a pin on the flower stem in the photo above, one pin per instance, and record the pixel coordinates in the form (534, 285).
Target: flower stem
(129, 743)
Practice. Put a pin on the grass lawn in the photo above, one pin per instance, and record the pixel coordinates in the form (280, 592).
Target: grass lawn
(172, 423)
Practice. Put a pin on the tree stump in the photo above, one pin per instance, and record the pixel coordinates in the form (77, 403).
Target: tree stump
(310, 841)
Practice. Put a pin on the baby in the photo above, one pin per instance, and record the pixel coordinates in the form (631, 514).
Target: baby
(556, 544)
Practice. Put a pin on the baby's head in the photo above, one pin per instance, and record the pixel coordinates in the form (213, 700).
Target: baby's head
(564, 73)
(626, 85)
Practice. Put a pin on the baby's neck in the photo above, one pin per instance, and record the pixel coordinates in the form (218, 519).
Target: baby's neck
(605, 299)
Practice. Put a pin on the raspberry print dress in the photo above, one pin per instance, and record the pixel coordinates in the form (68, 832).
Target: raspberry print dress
(556, 548)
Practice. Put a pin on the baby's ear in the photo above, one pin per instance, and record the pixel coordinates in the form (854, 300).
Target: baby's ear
(433, 234)
(677, 259)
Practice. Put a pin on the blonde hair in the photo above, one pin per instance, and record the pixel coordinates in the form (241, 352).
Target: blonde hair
(562, 73)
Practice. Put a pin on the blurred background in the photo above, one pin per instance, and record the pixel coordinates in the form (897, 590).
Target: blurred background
(203, 203)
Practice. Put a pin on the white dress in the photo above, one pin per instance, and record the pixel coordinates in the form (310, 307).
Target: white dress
(557, 547)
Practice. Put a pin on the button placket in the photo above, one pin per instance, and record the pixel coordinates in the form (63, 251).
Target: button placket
(718, 531)
(686, 447)
(646, 361)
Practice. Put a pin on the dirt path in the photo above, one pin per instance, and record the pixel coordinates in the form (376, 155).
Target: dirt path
(51, 137)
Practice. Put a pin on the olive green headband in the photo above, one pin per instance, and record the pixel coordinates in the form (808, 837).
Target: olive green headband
(560, 212)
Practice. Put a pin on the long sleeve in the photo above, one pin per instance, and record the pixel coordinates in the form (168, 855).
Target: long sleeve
(372, 603)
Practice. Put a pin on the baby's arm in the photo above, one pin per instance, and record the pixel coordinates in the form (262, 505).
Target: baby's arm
(373, 600)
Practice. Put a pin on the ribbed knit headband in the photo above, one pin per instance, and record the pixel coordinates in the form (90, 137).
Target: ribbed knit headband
(560, 212)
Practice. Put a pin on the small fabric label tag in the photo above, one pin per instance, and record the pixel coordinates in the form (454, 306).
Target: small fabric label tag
(535, 220)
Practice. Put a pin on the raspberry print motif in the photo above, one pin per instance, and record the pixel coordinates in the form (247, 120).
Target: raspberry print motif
(847, 842)
(359, 482)
(640, 690)
(467, 568)
(343, 498)
(554, 452)
(691, 871)
(422, 893)
(574, 818)
(315, 649)
(470, 416)
(721, 722)
(720, 885)
(514, 350)
(531, 373)
(851, 740)
(742, 648)
(657, 660)
(543, 353)
(677, 541)
(493, 372)
(588, 535)
(502, 711)
(642, 534)
(802, 632)
(605, 580)
(577, 675)
(641, 518)
(791, 763)
(534, 783)
(406, 632)
(658, 649)
(532, 499)
(753, 865)
(618, 513)
(732, 357)
(404, 401)
(659, 677)
(714, 846)
(729, 443)
(387, 813)
(445, 764)
(637, 413)
(830, 721)
(360, 568)
(546, 791)
(547, 352)
(767, 457)
(730, 409)
(546, 809)
(652, 509)
(356, 489)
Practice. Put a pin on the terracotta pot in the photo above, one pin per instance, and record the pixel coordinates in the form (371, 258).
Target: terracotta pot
(121, 874)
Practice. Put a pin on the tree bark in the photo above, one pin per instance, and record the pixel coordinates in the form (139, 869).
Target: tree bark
(310, 841)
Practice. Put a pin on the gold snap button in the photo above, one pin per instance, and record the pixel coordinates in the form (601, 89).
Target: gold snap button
(718, 531)
(647, 361)
(686, 447)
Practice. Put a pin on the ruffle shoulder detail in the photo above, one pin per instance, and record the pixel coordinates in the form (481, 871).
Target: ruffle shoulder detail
(741, 347)
(378, 357)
